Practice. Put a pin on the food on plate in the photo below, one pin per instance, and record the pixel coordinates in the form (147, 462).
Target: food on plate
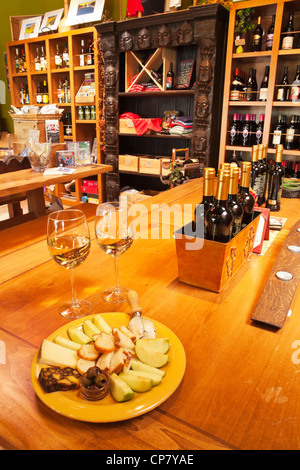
(54, 379)
(119, 360)
(83, 365)
(160, 345)
(156, 378)
(119, 389)
(88, 352)
(78, 336)
(104, 342)
(94, 384)
(101, 324)
(122, 340)
(104, 361)
(90, 329)
(148, 355)
(140, 366)
(137, 383)
(55, 355)
(67, 343)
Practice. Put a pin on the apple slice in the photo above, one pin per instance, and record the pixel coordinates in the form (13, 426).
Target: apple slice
(67, 343)
(101, 324)
(90, 329)
(156, 378)
(119, 389)
(140, 366)
(146, 354)
(78, 336)
(160, 345)
(137, 383)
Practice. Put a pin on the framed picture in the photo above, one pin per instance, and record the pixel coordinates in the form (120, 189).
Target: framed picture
(82, 152)
(65, 158)
(51, 20)
(84, 12)
(30, 28)
(184, 74)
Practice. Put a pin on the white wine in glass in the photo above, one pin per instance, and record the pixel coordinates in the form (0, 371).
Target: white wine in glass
(69, 242)
(114, 236)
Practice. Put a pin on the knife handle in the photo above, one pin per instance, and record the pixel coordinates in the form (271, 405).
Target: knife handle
(133, 300)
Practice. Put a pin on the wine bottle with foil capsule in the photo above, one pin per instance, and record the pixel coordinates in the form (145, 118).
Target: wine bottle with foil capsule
(276, 176)
(219, 219)
(233, 204)
(255, 174)
(263, 174)
(244, 195)
(208, 199)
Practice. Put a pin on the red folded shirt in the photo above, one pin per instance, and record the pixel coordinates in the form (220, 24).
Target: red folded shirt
(133, 7)
(142, 125)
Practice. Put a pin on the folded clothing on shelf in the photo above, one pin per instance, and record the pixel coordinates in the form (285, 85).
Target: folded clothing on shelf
(182, 125)
(142, 125)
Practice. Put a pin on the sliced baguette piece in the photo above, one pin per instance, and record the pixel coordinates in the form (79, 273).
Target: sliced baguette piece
(88, 352)
(83, 365)
(104, 361)
(122, 340)
(104, 342)
(118, 361)
(128, 333)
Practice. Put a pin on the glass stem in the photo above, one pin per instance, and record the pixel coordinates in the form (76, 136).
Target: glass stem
(74, 295)
(117, 282)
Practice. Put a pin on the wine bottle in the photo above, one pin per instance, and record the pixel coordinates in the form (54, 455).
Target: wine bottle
(60, 93)
(236, 87)
(45, 93)
(257, 36)
(27, 100)
(255, 171)
(279, 132)
(290, 141)
(244, 196)
(23, 64)
(295, 88)
(68, 121)
(288, 38)
(283, 89)
(259, 130)
(263, 92)
(251, 85)
(37, 61)
(246, 133)
(276, 176)
(43, 60)
(253, 127)
(22, 94)
(234, 131)
(234, 161)
(170, 78)
(233, 204)
(262, 174)
(219, 219)
(266, 170)
(270, 35)
(82, 60)
(58, 58)
(17, 61)
(65, 57)
(208, 199)
(39, 97)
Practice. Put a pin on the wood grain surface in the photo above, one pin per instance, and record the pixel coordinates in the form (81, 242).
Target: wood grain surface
(241, 385)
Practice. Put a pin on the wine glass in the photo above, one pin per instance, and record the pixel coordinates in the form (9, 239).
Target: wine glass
(114, 236)
(68, 239)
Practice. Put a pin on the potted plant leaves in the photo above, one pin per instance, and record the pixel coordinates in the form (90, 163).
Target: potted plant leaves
(243, 28)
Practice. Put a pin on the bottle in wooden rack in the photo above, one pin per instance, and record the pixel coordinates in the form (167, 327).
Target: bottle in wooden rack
(23, 63)
(22, 94)
(251, 86)
(295, 88)
(170, 78)
(43, 60)
(288, 38)
(45, 93)
(259, 130)
(283, 91)
(39, 96)
(244, 196)
(246, 132)
(257, 36)
(219, 219)
(17, 61)
(208, 199)
(262, 167)
(290, 139)
(236, 87)
(270, 35)
(90, 54)
(82, 59)
(276, 175)
(58, 58)
(60, 92)
(279, 131)
(234, 131)
(65, 57)
(255, 171)
(263, 92)
(233, 204)
(37, 61)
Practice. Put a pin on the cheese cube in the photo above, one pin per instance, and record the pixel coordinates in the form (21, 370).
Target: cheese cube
(55, 355)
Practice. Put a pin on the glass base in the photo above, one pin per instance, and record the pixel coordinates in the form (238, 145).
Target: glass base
(115, 295)
(77, 310)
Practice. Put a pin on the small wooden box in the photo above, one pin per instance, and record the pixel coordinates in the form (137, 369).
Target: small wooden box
(212, 265)
(129, 163)
(126, 126)
(151, 166)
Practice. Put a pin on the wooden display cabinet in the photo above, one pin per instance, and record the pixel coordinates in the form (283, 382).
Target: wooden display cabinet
(74, 73)
(276, 59)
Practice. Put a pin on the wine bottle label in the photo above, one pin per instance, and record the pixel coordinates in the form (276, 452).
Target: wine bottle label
(280, 94)
(270, 38)
(263, 94)
(58, 60)
(276, 137)
(37, 66)
(288, 42)
(39, 99)
(81, 60)
(256, 39)
(236, 226)
(295, 93)
(290, 134)
(258, 136)
(272, 202)
(235, 95)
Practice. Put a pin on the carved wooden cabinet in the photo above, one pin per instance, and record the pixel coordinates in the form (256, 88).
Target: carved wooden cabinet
(199, 34)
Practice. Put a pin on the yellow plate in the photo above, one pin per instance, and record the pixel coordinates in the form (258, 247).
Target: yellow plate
(72, 405)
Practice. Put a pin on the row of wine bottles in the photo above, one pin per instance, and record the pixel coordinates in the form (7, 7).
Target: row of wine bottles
(244, 130)
(231, 208)
(287, 134)
(42, 95)
(246, 90)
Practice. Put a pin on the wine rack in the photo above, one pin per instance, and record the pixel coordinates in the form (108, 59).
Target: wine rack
(276, 59)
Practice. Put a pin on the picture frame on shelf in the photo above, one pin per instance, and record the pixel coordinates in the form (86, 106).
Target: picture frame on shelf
(81, 12)
(30, 28)
(51, 20)
(65, 158)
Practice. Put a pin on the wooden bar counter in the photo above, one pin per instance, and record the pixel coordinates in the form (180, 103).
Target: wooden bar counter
(241, 385)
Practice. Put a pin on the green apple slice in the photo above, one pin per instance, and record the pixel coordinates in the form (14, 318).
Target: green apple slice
(101, 324)
(140, 366)
(156, 378)
(137, 383)
(119, 389)
(148, 356)
(67, 343)
(160, 345)
(90, 329)
(78, 336)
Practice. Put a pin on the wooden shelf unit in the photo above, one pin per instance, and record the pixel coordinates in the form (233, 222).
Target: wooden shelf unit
(82, 130)
(276, 59)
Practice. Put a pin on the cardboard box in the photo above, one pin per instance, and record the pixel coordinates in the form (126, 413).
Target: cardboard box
(129, 163)
(89, 186)
(150, 166)
(211, 265)
(126, 126)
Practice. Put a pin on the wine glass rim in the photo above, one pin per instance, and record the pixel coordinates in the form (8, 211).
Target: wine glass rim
(56, 214)
(116, 205)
